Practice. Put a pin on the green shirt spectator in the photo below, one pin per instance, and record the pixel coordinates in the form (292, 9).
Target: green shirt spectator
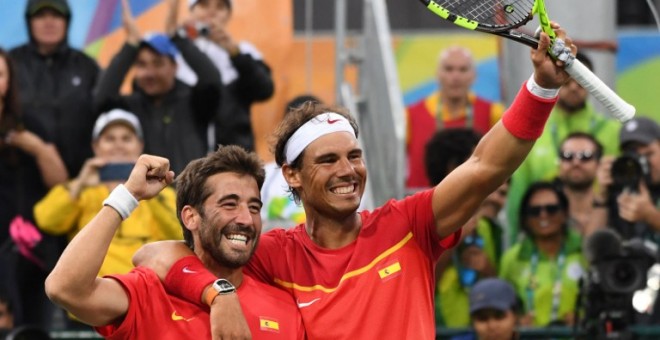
(542, 162)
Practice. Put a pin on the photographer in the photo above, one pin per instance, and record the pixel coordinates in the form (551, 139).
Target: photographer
(630, 184)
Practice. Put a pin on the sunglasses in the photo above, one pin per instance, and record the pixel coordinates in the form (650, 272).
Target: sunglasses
(550, 209)
(582, 156)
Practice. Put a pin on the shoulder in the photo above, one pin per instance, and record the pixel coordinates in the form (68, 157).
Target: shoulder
(82, 58)
(248, 48)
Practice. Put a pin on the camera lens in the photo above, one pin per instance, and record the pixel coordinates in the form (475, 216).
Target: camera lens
(624, 277)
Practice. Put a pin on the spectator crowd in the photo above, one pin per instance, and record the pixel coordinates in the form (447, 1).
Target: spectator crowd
(70, 140)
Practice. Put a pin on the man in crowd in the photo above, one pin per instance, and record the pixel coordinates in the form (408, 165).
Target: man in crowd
(452, 106)
(633, 207)
(580, 155)
(367, 275)
(246, 78)
(218, 205)
(174, 116)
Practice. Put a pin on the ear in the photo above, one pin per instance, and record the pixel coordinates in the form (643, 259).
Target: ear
(190, 218)
(292, 176)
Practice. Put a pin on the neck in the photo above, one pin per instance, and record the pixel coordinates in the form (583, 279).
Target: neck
(454, 105)
(235, 276)
(333, 233)
(46, 49)
(549, 245)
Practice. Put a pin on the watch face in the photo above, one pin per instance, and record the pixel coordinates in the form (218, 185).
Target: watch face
(223, 286)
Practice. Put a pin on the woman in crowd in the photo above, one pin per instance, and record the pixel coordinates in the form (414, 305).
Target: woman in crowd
(29, 165)
(546, 266)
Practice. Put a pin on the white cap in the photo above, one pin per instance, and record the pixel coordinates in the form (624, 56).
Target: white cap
(116, 116)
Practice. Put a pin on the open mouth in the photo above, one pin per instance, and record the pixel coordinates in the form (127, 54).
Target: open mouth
(344, 190)
(237, 239)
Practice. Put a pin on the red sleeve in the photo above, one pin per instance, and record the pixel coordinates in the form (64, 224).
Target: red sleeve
(136, 284)
(261, 265)
(418, 209)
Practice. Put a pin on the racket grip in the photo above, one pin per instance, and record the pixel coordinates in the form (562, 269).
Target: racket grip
(617, 107)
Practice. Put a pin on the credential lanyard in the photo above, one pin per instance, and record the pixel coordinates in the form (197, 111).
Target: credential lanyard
(440, 119)
(556, 286)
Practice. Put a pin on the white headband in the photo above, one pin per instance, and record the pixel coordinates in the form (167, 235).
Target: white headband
(316, 127)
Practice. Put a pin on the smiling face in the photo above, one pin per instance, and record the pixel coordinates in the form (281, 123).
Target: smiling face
(229, 224)
(544, 215)
(154, 73)
(332, 177)
(118, 143)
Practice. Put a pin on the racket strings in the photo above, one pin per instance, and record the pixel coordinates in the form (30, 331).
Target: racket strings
(496, 13)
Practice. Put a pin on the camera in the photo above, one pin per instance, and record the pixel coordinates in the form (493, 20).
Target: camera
(618, 269)
(628, 171)
(194, 30)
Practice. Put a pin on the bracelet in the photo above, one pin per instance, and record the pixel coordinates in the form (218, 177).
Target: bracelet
(122, 201)
(539, 91)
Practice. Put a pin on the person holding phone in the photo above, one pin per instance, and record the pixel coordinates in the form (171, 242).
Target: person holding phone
(67, 208)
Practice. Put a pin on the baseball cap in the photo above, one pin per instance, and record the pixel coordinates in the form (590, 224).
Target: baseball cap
(116, 116)
(492, 293)
(192, 3)
(60, 6)
(641, 130)
(161, 44)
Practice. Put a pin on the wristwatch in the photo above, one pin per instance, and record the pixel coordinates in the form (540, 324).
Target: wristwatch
(219, 287)
(223, 287)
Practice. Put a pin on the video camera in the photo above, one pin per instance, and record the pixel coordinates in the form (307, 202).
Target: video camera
(617, 270)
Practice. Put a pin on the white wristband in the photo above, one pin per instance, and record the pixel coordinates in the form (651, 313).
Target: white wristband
(122, 201)
(539, 91)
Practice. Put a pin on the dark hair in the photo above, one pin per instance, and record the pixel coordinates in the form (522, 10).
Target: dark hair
(10, 103)
(191, 188)
(585, 60)
(587, 136)
(533, 189)
(446, 150)
(298, 101)
(292, 121)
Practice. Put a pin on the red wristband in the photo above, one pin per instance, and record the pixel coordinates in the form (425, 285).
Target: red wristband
(527, 115)
(188, 278)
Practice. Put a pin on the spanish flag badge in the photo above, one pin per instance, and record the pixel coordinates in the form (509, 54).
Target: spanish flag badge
(269, 324)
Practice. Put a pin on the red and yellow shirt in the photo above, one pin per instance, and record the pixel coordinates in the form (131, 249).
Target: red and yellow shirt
(153, 314)
(378, 287)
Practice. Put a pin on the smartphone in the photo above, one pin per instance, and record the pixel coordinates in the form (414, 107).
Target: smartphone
(115, 172)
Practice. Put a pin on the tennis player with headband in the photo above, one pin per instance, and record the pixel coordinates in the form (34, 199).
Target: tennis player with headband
(369, 274)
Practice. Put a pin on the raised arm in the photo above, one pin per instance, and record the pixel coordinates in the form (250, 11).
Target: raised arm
(73, 283)
(106, 94)
(503, 148)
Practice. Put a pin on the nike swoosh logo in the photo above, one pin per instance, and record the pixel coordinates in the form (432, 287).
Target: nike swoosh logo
(177, 317)
(307, 304)
(188, 271)
(332, 121)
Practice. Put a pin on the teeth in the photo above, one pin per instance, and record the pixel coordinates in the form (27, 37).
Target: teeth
(343, 190)
(238, 239)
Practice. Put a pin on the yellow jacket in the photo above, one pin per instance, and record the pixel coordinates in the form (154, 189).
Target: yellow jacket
(153, 220)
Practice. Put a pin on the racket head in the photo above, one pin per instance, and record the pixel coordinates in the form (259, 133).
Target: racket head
(490, 16)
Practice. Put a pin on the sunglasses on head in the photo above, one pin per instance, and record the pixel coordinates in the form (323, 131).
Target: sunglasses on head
(535, 210)
(583, 156)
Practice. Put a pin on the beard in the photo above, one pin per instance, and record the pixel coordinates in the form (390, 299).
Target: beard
(211, 240)
(578, 185)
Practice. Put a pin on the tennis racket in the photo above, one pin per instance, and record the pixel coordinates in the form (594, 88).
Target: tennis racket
(501, 17)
